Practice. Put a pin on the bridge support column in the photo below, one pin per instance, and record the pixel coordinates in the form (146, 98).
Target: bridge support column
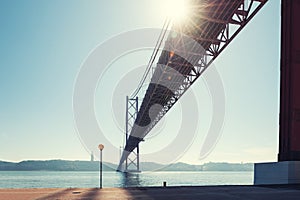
(287, 169)
(132, 163)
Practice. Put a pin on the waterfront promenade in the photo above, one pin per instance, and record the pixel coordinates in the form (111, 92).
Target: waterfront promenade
(287, 192)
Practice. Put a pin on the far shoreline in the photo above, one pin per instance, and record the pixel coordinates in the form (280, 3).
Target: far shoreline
(67, 165)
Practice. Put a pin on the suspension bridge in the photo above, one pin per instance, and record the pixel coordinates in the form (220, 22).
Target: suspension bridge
(186, 50)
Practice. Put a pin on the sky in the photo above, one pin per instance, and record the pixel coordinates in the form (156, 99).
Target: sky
(45, 43)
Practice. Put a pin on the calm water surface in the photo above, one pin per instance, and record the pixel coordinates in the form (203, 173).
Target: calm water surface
(54, 179)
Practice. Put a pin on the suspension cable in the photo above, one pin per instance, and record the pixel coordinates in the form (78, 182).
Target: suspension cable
(153, 56)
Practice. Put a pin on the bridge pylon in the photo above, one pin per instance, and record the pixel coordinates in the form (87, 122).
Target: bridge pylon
(132, 163)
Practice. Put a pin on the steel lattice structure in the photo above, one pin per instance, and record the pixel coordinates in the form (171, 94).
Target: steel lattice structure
(132, 162)
(209, 29)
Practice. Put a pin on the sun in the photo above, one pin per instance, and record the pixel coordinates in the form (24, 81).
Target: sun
(175, 9)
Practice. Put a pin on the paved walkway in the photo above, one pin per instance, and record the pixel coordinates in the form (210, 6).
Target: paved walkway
(168, 193)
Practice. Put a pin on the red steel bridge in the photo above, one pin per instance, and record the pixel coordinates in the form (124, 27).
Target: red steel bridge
(189, 49)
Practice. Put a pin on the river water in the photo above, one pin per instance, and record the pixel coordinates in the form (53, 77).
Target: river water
(83, 179)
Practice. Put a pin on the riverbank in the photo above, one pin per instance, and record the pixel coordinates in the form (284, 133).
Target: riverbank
(287, 192)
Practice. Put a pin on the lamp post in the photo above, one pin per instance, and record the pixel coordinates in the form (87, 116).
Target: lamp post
(101, 147)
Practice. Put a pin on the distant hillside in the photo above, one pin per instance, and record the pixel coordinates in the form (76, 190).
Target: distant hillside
(182, 167)
(227, 167)
(150, 166)
(55, 165)
(65, 165)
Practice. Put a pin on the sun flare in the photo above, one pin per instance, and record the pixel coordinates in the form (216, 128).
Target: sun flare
(176, 9)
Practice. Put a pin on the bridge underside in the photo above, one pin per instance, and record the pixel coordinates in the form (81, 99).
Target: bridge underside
(189, 49)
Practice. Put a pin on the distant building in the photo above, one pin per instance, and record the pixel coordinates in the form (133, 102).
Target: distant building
(92, 157)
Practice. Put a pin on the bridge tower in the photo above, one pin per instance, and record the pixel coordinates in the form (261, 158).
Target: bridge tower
(132, 163)
(289, 132)
(287, 169)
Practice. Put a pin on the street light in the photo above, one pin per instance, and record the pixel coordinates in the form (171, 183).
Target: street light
(100, 147)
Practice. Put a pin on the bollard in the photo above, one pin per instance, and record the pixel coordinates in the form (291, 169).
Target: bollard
(165, 184)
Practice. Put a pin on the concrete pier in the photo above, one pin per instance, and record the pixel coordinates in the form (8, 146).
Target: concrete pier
(286, 172)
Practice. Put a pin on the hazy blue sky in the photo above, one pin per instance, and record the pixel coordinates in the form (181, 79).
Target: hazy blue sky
(43, 44)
